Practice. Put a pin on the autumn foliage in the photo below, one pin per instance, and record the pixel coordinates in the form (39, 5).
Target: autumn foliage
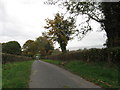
(60, 30)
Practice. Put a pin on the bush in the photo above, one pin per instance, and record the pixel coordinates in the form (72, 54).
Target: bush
(6, 58)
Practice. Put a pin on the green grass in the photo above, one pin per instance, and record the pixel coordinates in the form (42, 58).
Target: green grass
(16, 75)
(0, 76)
(101, 75)
(53, 61)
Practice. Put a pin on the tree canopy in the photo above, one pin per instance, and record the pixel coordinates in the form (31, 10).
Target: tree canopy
(106, 13)
(41, 46)
(60, 30)
(44, 46)
(29, 48)
(12, 47)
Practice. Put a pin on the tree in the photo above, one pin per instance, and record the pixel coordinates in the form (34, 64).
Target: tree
(106, 13)
(29, 48)
(56, 52)
(60, 30)
(44, 46)
(41, 46)
(111, 11)
(12, 47)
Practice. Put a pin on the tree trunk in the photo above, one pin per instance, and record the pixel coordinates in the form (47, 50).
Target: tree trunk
(63, 47)
(111, 11)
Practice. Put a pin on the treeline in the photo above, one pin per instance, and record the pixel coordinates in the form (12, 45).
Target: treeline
(12, 51)
(110, 56)
(39, 47)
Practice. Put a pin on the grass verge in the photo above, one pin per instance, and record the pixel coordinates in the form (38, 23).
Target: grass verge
(106, 77)
(16, 74)
(0, 76)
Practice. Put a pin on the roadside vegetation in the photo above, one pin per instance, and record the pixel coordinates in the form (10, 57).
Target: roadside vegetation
(100, 74)
(0, 76)
(16, 74)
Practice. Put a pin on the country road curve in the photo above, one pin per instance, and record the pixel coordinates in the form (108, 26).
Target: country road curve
(45, 75)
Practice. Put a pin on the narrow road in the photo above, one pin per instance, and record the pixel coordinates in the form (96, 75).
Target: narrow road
(45, 75)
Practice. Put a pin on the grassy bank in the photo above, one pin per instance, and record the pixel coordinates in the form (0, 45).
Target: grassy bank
(16, 74)
(100, 74)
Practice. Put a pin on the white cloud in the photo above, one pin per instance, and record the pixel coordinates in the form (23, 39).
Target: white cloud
(93, 39)
(22, 20)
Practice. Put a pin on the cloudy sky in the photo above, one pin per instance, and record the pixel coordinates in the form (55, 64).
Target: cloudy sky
(21, 20)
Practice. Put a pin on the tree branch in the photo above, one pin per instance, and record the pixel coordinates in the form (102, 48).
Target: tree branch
(101, 21)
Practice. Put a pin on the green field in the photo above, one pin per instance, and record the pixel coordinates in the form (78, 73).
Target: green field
(101, 75)
(16, 75)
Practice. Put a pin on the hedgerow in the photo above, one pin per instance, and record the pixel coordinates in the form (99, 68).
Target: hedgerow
(110, 55)
(6, 58)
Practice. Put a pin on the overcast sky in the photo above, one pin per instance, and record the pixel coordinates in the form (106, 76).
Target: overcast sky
(21, 20)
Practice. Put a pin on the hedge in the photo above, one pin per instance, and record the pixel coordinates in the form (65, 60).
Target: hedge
(91, 55)
(6, 58)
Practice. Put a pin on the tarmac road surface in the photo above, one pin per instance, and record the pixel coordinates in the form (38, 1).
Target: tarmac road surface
(46, 75)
